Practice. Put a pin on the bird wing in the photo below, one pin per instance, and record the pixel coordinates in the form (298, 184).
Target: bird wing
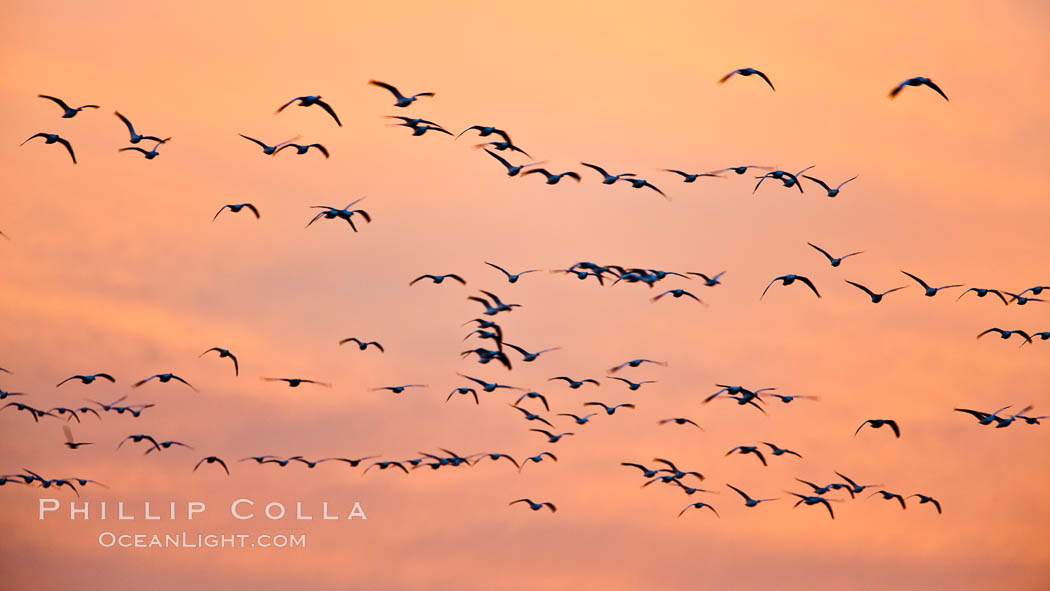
(131, 128)
(69, 148)
(766, 78)
(502, 160)
(936, 88)
(393, 90)
(330, 111)
(920, 281)
(822, 184)
(896, 429)
(251, 139)
(809, 283)
(862, 288)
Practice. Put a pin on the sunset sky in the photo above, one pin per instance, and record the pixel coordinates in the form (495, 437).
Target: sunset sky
(114, 265)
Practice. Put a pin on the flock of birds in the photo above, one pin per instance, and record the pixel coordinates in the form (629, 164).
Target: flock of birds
(493, 346)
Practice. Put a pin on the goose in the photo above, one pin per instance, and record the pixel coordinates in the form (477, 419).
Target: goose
(831, 192)
(88, 379)
(835, 261)
(788, 280)
(485, 356)
(699, 505)
(347, 214)
(236, 208)
(530, 357)
(533, 395)
(135, 136)
(984, 418)
(646, 472)
(632, 386)
(930, 291)
(675, 293)
(532, 416)
(511, 277)
(578, 419)
(1038, 289)
(537, 506)
(487, 386)
(779, 451)
(164, 378)
(495, 457)
(464, 392)
(224, 353)
(138, 438)
(485, 131)
(502, 146)
(748, 501)
(537, 459)
(1005, 334)
(814, 500)
(676, 472)
(642, 183)
(362, 345)
(383, 465)
(875, 297)
(60, 411)
(402, 100)
(70, 442)
(691, 177)
(301, 149)
(709, 281)
(607, 179)
(749, 449)
(296, 382)
(575, 384)
(552, 179)
(1020, 299)
(889, 496)
(636, 363)
(399, 389)
(981, 292)
(438, 279)
(917, 81)
(923, 499)
(787, 398)
(51, 138)
(879, 423)
(418, 130)
(161, 445)
(679, 421)
(309, 101)
(212, 460)
(1002, 422)
(789, 180)
(68, 112)
(747, 72)
(741, 169)
(551, 437)
(512, 170)
(1032, 420)
(268, 150)
(4, 394)
(609, 410)
(148, 154)
(852, 487)
(496, 306)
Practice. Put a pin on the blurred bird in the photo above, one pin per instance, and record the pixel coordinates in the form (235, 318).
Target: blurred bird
(636, 363)
(642, 183)
(875, 297)
(148, 154)
(981, 292)
(675, 293)
(578, 419)
(87, 379)
(51, 138)
(889, 496)
(68, 112)
(748, 501)
(551, 437)
(917, 81)
(691, 177)
(511, 277)
(679, 421)
(632, 386)
(609, 410)
(749, 449)
(485, 131)
(296, 382)
(879, 423)
(402, 100)
(212, 460)
(607, 179)
(575, 384)
(268, 150)
(70, 442)
(1005, 334)
(362, 345)
(699, 505)
(236, 208)
(533, 395)
(835, 261)
(301, 149)
(536, 506)
(930, 291)
(831, 192)
(399, 389)
(530, 357)
(779, 451)
(164, 378)
(814, 500)
(502, 146)
(464, 391)
(747, 72)
(923, 499)
(552, 179)
(438, 279)
(708, 281)
(308, 101)
(136, 137)
(512, 170)
(496, 306)
(788, 280)
(224, 353)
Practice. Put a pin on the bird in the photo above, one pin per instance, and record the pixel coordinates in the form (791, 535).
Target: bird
(537, 506)
(399, 389)
(532, 416)
(485, 131)
(814, 500)
(551, 437)
(537, 459)
(749, 449)
(488, 386)
(512, 170)
(889, 496)
(139, 438)
(646, 472)
(1038, 289)
(609, 410)
(402, 100)
(642, 183)
(835, 261)
(362, 345)
(748, 501)
(691, 177)
(1032, 420)
(464, 391)
(878, 423)
(530, 357)
(212, 460)
(383, 465)
(511, 277)
(779, 451)
(70, 442)
(578, 419)
(575, 384)
(875, 297)
(51, 138)
(607, 179)
(1020, 299)
(418, 130)
(301, 149)
(148, 154)
(789, 180)
(741, 169)
(675, 293)
(930, 291)
(347, 214)
(679, 421)
(983, 418)
(923, 499)
(676, 472)
(917, 81)
(632, 386)
(1005, 334)
(535, 395)
(853, 488)
(223, 353)
(788, 280)
(351, 462)
(709, 281)
(136, 137)
(502, 146)
(438, 279)
(747, 72)
(786, 398)
(1001, 422)
(487, 355)
(296, 382)
(698, 505)
(164, 378)
(236, 208)
(69, 112)
(87, 379)
(496, 457)
(166, 445)
(267, 149)
(635, 363)
(496, 306)
(308, 101)
(552, 179)
(4, 394)
(831, 192)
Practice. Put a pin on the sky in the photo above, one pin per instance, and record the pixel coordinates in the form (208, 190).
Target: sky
(114, 265)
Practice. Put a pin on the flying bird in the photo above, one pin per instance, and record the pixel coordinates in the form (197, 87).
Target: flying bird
(835, 261)
(399, 389)
(528, 357)
(679, 421)
(148, 154)
(161, 445)
(1021, 300)
(917, 81)
(535, 395)
(749, 449)
(786, 398)
(537, 459)
(485, 131)
(51, 138)
(879, 423)
(402, 100)
(511, 277)
(688, 177)
(69, 112)
(632, 386)
(267, 149)
(362, 345)
(578, 419)
(875, 297)
(889, 496)
(789, 180)
(552, 179)
(301, 149)
(164, 378)
(1005, 334)
(385, 465)
(642, 183)
(675, 293)
(464, 392)
(575, 384)
(709, 281)
(814, 500)
(747, 72)
(748, 501)
(831, 192)
(70, 442)
(923, 499)
(636, 363)
(930, 291)
(551, 437)
(136, 137)
(224, 353)
(607, 179)
(296, 382)
(496, 306)
(536, 506)
(307, 101)
(779, 451)
(698, 505)
(212, 460)
(984, 418)
(236, 208)
(89, 378)
(609, 410)
(741, 169)
(438, 279)
(512, 170)
(788, 280)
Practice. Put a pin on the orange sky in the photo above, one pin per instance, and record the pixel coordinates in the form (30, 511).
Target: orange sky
(114, 265)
